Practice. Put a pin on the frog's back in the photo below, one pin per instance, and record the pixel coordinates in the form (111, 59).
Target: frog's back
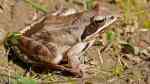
(59, 37)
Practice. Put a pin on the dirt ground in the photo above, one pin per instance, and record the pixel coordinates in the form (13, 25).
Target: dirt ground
(123, 60)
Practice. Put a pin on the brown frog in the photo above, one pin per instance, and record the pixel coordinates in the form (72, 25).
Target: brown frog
(54, 39)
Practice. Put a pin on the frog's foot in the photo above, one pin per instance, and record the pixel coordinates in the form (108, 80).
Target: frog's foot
(80, 69)
(75, 71)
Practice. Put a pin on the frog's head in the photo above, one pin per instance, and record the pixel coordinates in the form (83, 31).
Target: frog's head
(97, 24)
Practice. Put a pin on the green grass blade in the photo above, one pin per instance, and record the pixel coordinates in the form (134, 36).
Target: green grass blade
(37, 6)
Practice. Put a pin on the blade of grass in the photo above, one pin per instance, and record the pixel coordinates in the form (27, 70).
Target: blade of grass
(37, 6)
(26, 80)
(147, 24)
(89, 4)
(111, 36)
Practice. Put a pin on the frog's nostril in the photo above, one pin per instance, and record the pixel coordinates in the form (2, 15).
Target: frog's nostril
(111, 17)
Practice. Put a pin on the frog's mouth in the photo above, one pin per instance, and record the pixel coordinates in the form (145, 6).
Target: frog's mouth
(98, 24)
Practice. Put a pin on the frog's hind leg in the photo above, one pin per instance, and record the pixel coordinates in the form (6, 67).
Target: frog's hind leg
(44, 54)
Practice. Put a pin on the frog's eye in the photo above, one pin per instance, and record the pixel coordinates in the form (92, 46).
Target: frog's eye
(103, 18)
(99, 18)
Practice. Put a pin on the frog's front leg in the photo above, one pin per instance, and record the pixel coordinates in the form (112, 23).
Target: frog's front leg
(75, 52)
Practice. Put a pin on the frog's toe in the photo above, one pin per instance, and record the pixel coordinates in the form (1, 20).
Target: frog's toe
(78, 73)
(73, 72)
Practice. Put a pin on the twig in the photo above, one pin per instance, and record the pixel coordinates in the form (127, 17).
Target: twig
(100, 56)
(106, 47)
